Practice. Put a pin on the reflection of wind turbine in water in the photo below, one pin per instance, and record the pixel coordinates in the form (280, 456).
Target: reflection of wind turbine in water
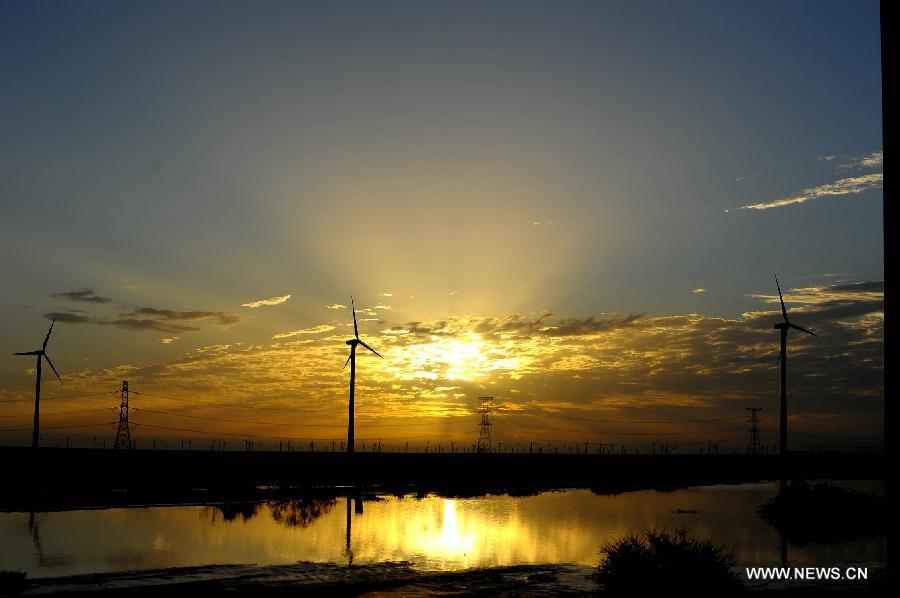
(42, 352)
(782, 357)
(35, 530)
(44, 559)
(349, 527)
(353, 342)
(358, 509)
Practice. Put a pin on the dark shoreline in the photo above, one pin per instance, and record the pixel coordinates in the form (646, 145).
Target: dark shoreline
(49, 478)
(386, 578)
(332, 579)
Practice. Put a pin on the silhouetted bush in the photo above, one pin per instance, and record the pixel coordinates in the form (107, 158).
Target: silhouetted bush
(823, 513)
(656, 560)
(12, 583)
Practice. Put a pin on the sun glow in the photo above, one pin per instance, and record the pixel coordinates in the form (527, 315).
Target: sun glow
(464, 358)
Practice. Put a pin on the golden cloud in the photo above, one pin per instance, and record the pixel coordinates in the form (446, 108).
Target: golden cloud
(848, 186)
(264, 302)
(314, 330)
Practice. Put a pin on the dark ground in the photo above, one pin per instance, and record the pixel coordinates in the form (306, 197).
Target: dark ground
(385, 579)
(50, 478)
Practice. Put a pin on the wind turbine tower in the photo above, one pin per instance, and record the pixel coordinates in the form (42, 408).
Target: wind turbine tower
(782, 357)
(42, 352)
(353, 342)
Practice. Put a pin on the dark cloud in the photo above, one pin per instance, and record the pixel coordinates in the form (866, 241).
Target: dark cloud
(83, 295)
(844, 310)
(139, 324)
(576, 326)
(70, 318)
(518, 325)
(861, 287)
(148, 318)
(218, 317)
(824, 313)
(436, 328)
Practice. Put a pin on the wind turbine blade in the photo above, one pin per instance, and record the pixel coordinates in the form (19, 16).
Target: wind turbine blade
(780, 298)
(802, 329)
(371, 349)
(29, 353)
(47, 338)
(54, 369)
(355, 329)
(777, 361)
(348, 361)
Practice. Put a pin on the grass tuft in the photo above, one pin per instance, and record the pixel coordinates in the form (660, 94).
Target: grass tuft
(656, 560)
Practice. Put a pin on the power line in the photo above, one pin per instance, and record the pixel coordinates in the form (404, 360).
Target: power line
(239, 421)
(754, 447)
(484, 427)
(123, 432)
(71, 412)
(70, 398)
(368, 423)
(637, 421)
(229, 405)
(173, 428)
(57, 427)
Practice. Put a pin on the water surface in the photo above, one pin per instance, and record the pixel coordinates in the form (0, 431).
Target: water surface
(431, 532)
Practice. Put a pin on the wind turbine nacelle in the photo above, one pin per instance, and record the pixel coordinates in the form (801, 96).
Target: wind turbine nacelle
(352, 342)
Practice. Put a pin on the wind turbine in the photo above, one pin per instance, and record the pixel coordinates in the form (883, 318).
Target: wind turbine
(353, 342)
(782, 357)
(42, 352)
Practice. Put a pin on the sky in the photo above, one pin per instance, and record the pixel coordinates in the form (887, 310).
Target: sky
(576, 208)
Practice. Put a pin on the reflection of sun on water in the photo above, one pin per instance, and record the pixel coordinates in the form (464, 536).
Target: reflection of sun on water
(443, 536)
(453, 541)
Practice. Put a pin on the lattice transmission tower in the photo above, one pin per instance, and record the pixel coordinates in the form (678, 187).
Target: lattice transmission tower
(754, 447)
(484, 428)
(123, 434)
